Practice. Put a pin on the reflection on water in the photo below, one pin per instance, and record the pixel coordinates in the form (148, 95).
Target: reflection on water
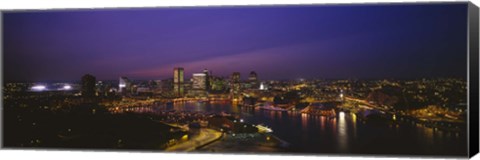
(342, 132)
(304, 121)
(354, 121)
(334, 126)
(319, 134)
(322, 123)
(428, 134)
(235, 107)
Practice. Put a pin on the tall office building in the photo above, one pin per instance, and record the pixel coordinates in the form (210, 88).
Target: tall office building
(199, 81)
(235, 77)
(253, 76)
(235, 85)
(253, 80)
(123, 84)
(178, 75)
(262, 86)
(207, 79)
(178, 80)
(179, 89)
(88, 85)
(218, 84)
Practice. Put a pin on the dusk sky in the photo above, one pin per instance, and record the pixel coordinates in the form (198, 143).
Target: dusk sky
(278, 42)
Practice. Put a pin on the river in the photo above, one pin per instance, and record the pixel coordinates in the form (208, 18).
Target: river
(345, 133)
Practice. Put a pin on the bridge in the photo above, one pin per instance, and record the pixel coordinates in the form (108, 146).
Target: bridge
(200, 99)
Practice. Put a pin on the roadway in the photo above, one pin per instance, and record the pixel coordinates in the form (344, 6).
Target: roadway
(205, 136)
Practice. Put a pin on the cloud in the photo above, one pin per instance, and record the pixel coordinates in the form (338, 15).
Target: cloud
(278, 57)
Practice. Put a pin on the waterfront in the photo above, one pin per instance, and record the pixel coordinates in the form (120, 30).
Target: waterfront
(196, 124)
(344, 134)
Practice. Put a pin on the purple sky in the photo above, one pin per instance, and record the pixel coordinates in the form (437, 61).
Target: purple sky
(281, 42)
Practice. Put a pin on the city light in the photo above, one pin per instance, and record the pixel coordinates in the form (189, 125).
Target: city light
(262, 86)
(185, 137)
(324, 104)
(67, 87)
(39, 88)
(341, 115)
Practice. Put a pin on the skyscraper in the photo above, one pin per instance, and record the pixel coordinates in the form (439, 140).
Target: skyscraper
(253, 80)
(178, 75)
(262, 86)
(207, 79)
(178, 86)
(88, 86)
(235, 85)
(178, 89)
(199, 81)
(123, 84)
(235, 77)
(253, 76)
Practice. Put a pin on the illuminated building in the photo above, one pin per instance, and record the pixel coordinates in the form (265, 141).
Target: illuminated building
(124, 84)
(178, 80)
(88, 85)
(143, 90)
(218, 84)
(179, 89)
(101, 88)
(207, 79)
(235, 85)
(253, 80)
(262, 86)
(199, 81)
(178, 75)
(235, 77)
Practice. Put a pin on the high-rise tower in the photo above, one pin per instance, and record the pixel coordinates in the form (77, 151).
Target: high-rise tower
(178, 75)
(88, 85)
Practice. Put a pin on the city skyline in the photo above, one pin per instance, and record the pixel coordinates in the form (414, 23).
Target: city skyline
(277, 42)
(298, 79)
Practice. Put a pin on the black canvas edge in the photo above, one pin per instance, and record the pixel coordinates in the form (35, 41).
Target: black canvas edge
(473, 73)
(1, 82)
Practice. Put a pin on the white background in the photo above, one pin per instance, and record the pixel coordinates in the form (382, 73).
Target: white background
(87, 155)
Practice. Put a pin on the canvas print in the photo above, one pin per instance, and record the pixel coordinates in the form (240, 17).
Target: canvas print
(376, 79)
